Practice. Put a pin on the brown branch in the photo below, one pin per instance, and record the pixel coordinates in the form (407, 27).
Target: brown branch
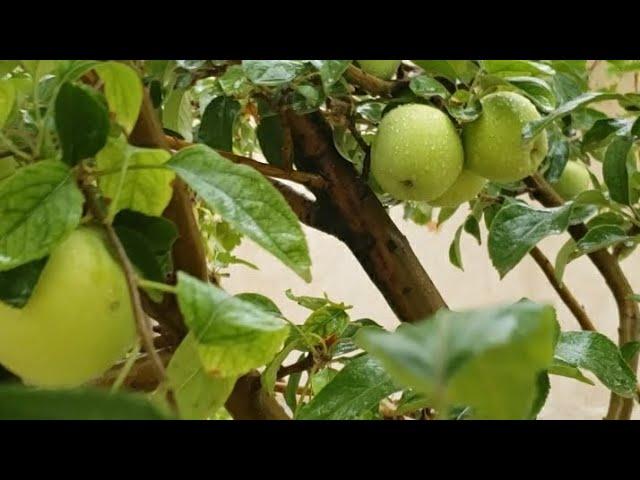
(348, 209)
(140, 377)
(609, 268)
(305, 364)
(565, 294)
(372, 84)
(248, 400)
(303, 178)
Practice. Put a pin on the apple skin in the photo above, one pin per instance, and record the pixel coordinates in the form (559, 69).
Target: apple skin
(384, 69)
(575, 179)
(466, 188)
(493, 143)
(78, 321)
(417, 153)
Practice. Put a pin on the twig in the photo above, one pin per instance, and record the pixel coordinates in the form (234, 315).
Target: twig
(143, 322)
(608, 266)
(308, 179)
(372, 84)
(565, 294)
(305, 364)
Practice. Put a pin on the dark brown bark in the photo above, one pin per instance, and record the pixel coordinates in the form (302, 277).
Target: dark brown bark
(350, 210)
(608, 266)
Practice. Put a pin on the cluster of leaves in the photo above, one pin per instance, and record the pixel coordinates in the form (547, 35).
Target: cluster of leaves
(56, 130)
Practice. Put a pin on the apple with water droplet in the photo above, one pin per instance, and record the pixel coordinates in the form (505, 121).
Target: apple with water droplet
(466, 187)
(493, 143)
(574, 180)
(417, 153)
(384, 69)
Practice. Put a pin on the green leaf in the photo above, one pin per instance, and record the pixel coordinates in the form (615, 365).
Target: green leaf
(22, 403)
(271, 72)
(538, 91)
(543, 386)
(327, 320)
(472, 227)
(602, 236)
(123, 91)
(245, 199)
(564, 256)
(635, 128)
(234, 82)
(322, 378)
(564, 369)
(601, 131)
(233, 335)
(532, 129)
(516, 66)
(158, 232)
(615, 170)
(312, 303)
(138, 251)
(487, 359)
(427, 87)
(596, 353)
(271, 137)
(216, 129)
(145, 190)
(629, 350)
(39, 68)
(261, 302)
(357, 388)
(39, 205)
(17, 284)
(331, 71)
(453, 70)
(455, 256)
(625, 65)
(177, 114)
(518, 227)
(198, 395)
(82, 122)
(7, 100)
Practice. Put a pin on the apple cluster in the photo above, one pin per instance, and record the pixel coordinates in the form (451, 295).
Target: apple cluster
(418, 154)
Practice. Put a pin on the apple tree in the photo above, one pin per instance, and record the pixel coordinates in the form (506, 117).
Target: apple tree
(126, 186)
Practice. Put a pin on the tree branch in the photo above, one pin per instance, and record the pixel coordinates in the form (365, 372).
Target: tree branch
(246, 401)
(372, 84)
(565, 294)
(358, 219)
(609, 268)
(308, 179)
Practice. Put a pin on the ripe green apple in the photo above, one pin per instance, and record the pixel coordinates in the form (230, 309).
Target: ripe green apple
(465, 188)
(575, 179)
(493, 142)
(417, 153)
(78, 321)
(384, 69)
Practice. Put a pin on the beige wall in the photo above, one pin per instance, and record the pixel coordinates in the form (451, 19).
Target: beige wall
(336, 272)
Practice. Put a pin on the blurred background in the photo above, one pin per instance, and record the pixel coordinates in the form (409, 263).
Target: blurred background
(336, 272)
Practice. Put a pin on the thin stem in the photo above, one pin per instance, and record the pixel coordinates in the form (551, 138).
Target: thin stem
(151, 285)
(126, 368)
(13, 147)
(308, 179)
(143, 323)
(565, 294)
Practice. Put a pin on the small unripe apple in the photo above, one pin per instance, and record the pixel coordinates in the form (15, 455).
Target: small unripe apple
(575, 179)
(77, 323)
(466, 188)
(417, 153)
(493, 143)
(384, 69)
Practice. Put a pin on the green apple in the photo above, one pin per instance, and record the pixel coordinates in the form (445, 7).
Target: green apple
(575, 179)
(78, 321)
(466, 188)
(417, 153)
(493, 142)
(384, 69)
